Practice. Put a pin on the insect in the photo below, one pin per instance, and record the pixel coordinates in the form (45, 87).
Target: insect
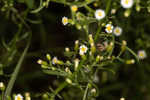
(102, 46)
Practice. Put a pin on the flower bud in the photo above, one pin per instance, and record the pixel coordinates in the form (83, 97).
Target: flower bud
(74, 8)
(76, 45)
(138, 8)
(2, 86)
(68, 81)
(68, 70)
(97, 58)
(131, 61)
(67, 49)
(76, 62)
(48, 56)
(39, 61)
(127, 13)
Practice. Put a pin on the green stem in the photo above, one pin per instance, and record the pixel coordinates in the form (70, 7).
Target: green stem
(63, 85)
(85, 93)
(15, 73)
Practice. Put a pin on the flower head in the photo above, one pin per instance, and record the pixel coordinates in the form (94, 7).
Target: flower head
(65, 20)
(127, 3)
(142, 54)
(83, 49)
(117, 31)
(74, 8)
(99, 14)
(18, 97)
(109, 28)
(54, 60)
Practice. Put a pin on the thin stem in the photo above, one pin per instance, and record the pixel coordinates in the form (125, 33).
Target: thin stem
(85, 92)
(63, 85)
(15, 73)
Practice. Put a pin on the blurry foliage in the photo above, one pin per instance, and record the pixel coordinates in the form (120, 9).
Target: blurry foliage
(30, 29)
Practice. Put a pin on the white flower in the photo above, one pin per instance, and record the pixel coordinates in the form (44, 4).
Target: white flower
(65, 20)
(54, 60)
(142, 54)
(83, 49)
(109, 28)
(99, 14)
(117, 31)
(127, 3)
(18, 97)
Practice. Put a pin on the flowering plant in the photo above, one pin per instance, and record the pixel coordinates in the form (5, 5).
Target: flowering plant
(104, 45)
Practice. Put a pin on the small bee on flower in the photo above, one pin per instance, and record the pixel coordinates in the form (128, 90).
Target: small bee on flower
(74, 8)
(99, 14)
(18, 97)
(109, 28)
(54, 60)
(127, 3)
(65, 20)
(142, 54)
(83, 49)
(117, 31)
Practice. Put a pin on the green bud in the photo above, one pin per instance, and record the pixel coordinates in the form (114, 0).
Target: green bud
(48, 56)
(68, 81)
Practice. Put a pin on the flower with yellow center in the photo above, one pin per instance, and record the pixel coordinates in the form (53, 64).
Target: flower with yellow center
(18, 97)
(127, 3)
(117, 31)
(99, 14)
(74, 8)
(83, 49)
(142, 54)
(54, 60)
(109, 28)
(65, 20)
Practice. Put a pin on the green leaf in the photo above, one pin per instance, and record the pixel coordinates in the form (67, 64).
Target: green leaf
(54, 72)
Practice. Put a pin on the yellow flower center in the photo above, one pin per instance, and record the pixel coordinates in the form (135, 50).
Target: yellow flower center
(65, 20)
(18, 98)
(141, 54)
(99, 13)
(83, 49)
(55, 60)
(74, 8)
(127, 1)
(109, 28)
(117, 31)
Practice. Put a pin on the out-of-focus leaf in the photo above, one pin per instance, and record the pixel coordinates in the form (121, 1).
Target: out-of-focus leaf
(29, 3)
(68, 54)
